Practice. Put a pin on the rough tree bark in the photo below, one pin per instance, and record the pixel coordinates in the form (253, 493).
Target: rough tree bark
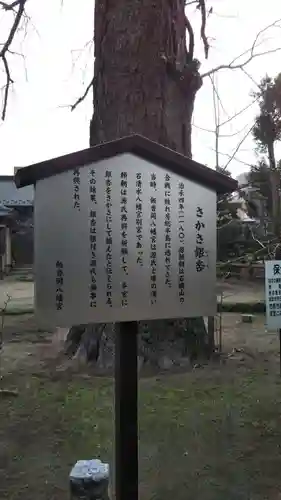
(274, 176)
(145, 81)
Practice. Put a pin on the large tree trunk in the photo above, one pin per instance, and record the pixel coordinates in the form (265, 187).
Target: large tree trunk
(275, 189)
(145, 82)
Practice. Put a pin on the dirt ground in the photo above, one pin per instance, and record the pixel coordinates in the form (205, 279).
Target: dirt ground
(27, 347)
(237, 291)
(213, 433)
(21, 293)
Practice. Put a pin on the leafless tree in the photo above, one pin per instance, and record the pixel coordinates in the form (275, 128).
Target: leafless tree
(17, 11)
(147, 82)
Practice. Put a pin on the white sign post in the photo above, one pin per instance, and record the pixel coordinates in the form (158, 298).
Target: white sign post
(124, 231)
(273, 297)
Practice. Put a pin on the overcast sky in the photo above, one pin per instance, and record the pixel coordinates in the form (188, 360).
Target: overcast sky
(58, 65)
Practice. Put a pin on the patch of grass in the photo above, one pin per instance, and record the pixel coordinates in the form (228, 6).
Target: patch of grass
(199, 438)
(17, 311)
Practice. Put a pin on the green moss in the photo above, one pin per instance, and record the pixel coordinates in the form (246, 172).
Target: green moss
(199, 438)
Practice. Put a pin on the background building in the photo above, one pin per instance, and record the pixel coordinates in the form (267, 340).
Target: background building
(16, 224)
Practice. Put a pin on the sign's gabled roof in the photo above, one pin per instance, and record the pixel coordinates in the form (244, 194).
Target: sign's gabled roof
(137, 145)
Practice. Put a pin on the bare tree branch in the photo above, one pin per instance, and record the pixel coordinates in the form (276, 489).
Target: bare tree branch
(217, 119)
(228, 120)
(238, 146)
(10, 6)
(250, 77)
(236, 159)
(251, 52)
(226, 224)
(202, 7)
(9, 81)
(218, 124)
(215, 91)
(82, 97)
(191, 38)
(239, 112)
(6, 46)
(256, 239)
(192, 2)
(233, 134)
(257, 252)
(240, 66)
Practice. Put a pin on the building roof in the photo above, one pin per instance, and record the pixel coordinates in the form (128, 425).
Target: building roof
(10, 196)
(137, 145)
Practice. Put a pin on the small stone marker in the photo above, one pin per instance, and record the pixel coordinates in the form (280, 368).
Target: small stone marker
(89, 480)
(247, 318)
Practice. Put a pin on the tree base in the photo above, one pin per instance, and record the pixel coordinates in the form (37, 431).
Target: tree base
(163, 344)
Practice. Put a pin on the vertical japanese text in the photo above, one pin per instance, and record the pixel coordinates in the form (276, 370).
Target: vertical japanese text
(167, 230)
(199, 251)
(153, 246)
(76, 188)
(124, 237)
(59, 285)
(108, 236)
(181, 250)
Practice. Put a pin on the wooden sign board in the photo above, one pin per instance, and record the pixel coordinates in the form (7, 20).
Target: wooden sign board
(124, 231)
(123, 240)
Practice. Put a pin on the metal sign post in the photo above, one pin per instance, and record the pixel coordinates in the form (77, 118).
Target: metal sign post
(126, 411)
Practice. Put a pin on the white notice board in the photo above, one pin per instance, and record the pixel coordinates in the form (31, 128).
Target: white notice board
(123, 240)
(273, 294)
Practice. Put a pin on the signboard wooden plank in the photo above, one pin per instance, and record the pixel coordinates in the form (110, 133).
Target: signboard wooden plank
(123, 240)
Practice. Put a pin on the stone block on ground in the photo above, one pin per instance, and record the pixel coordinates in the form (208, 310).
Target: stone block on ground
(165, 363)
(89, 480)
(247, 318)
